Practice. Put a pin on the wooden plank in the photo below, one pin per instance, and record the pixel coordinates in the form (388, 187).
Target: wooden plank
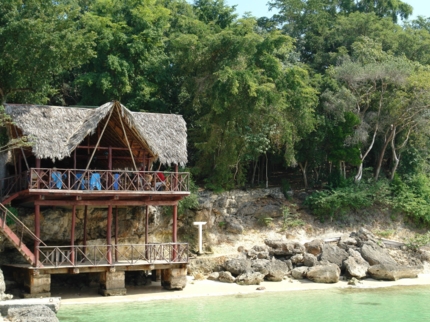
(105, 202)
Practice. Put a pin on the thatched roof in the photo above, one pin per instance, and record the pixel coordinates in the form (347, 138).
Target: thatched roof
(57, 131)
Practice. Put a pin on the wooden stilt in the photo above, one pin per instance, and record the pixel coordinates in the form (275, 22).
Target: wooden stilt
(72, 235)
(146, 231)
(85, 227)
(116, 234)
(174, 232)
(109, 234)
(37, 233)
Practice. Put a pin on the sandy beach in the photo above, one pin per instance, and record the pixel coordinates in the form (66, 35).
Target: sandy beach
(199, 288)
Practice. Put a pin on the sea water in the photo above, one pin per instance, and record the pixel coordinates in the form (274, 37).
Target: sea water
(352, 304)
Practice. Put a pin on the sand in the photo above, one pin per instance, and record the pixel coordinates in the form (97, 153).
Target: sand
(199, 288)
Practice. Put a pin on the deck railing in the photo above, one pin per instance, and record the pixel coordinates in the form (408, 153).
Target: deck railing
(95, 180)
(102, 255)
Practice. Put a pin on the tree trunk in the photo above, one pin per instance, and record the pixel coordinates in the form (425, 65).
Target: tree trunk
(267, 175)
(303, 168)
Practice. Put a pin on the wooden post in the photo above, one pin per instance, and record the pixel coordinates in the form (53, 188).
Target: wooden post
(109, 234)
(146, 232)
(116, 234)
(85, 229)
(74, 159)
(72, 236)
(38, 172)
(176, 177)
(110, 158)
(174, 232)
(37, 233)
(110, 175)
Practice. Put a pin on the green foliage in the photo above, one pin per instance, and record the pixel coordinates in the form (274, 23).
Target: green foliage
(191, 201)
(14, 211)
(286, 187)
(265, 220)
(290, 219)
(385, 233)
(418, 241)
(333, 204)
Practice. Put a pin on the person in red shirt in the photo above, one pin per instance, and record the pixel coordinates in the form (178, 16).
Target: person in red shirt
(159, 184)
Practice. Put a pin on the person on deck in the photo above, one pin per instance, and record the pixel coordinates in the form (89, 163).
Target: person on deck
(160, 181)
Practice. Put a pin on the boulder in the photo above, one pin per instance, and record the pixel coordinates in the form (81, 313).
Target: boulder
(237, 266)
(276, 270)
(309, 260)
(233, 226)
(393, 272)
(363, 235)
(226, 277)
(314, 247)
(34, 313)
(213, 276)
(375, 255)
(255, 254)
(329, 273)
(250, 278)
(346, 241)
(299, 273)
(297, 259)
(284, 248)
(333, 254)
(355, 265)
(289, 264)
(261, 266)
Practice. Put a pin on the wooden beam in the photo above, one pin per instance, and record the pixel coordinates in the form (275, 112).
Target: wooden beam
(109, 234)
(72, 235)
(116, 233)
(37, 233)
(85, 227)
(175, 223)
(105, 202)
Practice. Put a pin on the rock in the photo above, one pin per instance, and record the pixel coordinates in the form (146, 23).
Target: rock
(261, 266)
(2, 284)
(314, 247)
(375, 255)
(333, 254)
(35, 313)
(364, 235)
(233, 226)
(226, 277)
(250, 278)
(276, 270)
(237, 266)
(284, 248)
(261, 288)
(354, 281)
(309, 260)
(324, 273)
(253, 254)
(289, 264)
(393, 272)
(213, 276)
(355, 265)
(297, 259)
(346, 242)
(299, 273)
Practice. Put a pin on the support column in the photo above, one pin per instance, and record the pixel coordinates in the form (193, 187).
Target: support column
(174, 278)
(174, 233)
(116, 234)
(112, 283)
(146, 232)
(38, 172)
(72, 235)
(36, 285)
(85, 229)
(109, 235)
(37, 233)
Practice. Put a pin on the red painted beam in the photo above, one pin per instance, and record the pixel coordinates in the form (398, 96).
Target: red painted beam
(105, 202)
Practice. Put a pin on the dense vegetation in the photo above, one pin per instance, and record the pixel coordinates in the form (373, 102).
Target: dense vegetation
(336, 89)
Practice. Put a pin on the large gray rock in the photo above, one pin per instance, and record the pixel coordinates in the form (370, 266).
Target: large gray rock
(276, 270)
(297, 259)
(2, 284)
(393, 272)
(36, 313)
(233, 226)
(237, 266)
(309, 260)
(346, 241)
(355, 265)
(259, 252)
(314, 247)
(363, 235)
(299, 273)
(284, 248)
(375, 255)
(334, 254)
(226, 277)
(213, 276)
(329, 273)
(261, 266)
(250, 278)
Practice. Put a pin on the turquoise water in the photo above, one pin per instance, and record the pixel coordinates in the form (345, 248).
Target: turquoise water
(382, 304)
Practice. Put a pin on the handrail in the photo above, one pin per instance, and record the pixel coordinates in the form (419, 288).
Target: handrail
(99, 255)
(6, 214)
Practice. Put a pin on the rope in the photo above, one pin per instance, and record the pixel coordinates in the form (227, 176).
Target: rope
(128, 144)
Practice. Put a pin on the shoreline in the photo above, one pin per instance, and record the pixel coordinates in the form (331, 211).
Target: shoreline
(207, 288)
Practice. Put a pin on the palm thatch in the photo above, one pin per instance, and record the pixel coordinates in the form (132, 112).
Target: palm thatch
(57, 131)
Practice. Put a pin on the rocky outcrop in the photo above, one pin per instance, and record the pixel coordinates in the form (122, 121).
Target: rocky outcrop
(35, 313)
(226, 277)
(284, 248)
(314, 247)
(3, 295)
(329, 273)
(333, 254)
(276, 270)
(237, 266)
(375, 254)
(299, 273)
(250, 278)
(355, 265)
(393, 272)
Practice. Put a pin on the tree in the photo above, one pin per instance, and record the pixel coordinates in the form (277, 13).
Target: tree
(40, 39)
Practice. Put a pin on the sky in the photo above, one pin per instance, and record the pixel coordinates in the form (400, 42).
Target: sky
(259, 8)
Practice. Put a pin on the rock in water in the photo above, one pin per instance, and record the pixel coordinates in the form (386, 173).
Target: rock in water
(329, 273)
(35, 313)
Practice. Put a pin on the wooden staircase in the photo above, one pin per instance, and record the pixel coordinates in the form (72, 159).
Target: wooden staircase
(16, 234)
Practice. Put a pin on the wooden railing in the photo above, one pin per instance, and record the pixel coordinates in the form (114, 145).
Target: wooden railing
(7, 218)
(95, 180)
(102, 255)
